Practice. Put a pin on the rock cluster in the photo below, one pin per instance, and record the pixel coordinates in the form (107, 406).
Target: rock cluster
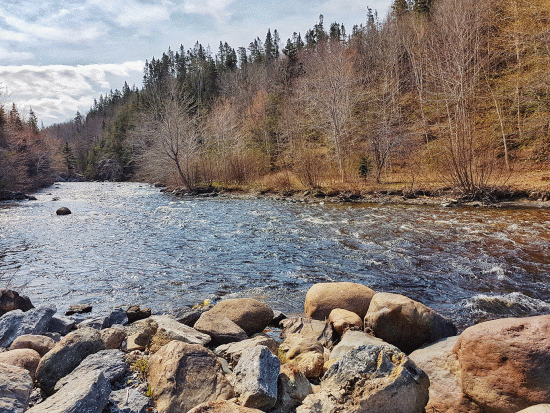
(354, 351)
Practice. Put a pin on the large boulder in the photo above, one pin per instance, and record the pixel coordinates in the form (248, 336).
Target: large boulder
(15, 389)
(440, 363)
(322, 298)
(25, 358)
(370, 379)
(232, 352)
(309, 328)
(40, 344)
(117, 316)
(66, 356)
(220, 328)
(505, 364)
(256, 378)
(17, 323)
(343, 320)
(61, 325)
(11, 300)
(292, 388)
(222, 407)
(110, 363)
(183, 376)
(405, 323)
(90, 393)
(248, 313)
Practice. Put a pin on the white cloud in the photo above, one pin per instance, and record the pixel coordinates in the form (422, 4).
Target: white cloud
(56, 92)
(11, 56)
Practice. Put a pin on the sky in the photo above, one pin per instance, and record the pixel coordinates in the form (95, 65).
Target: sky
(57, 56)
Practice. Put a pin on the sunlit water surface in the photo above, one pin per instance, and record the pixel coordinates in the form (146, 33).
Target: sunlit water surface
(130, 244)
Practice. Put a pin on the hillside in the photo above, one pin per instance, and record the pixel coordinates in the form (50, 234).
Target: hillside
(443, 94)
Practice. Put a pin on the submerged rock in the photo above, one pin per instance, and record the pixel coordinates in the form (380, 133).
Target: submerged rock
(63, 211)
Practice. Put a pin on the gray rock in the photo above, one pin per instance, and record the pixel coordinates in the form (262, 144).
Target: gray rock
(353, 339)
(109, 362)
(232, 352)
(66, 356)
(11, 300)
(277, 318)
(117, 316)
(95, 323)
(256, 378)
(15, 389)
(374, 379)
(88, 394)
(189, 316)
(220, 328)
(128, 401)
(61, 325)
(292, 388)
(17, 323)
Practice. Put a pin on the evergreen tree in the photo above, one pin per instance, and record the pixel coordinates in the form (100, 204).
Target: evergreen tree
(33, 122)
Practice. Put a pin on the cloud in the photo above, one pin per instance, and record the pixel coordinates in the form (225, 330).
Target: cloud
(56, 92)
(12, 56)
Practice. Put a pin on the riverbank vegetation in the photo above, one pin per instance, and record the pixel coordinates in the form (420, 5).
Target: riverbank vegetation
(439, 94)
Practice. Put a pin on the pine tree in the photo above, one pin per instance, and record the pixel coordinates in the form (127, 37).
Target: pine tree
(33, 122)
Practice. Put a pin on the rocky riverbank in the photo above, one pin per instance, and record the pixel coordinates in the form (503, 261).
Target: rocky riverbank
(353, 350)
(497, 198)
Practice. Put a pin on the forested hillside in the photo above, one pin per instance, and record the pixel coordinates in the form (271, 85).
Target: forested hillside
(442, 93)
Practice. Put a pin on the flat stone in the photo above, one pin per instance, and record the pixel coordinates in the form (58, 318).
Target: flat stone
(177, 331)
(15, 389)
(110, 363)
(90, 393)
(221, 329)
(79, 309)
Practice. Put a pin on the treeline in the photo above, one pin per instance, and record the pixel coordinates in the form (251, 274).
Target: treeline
(27, 155)
(452, 90)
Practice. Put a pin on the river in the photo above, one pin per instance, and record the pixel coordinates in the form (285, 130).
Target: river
(128, 243)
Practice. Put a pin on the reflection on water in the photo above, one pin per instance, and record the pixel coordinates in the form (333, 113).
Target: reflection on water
(128, 243)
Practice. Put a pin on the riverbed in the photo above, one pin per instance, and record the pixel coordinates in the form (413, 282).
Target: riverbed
(128, 243)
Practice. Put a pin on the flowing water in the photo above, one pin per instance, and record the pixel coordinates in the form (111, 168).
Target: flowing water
(130, 244)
